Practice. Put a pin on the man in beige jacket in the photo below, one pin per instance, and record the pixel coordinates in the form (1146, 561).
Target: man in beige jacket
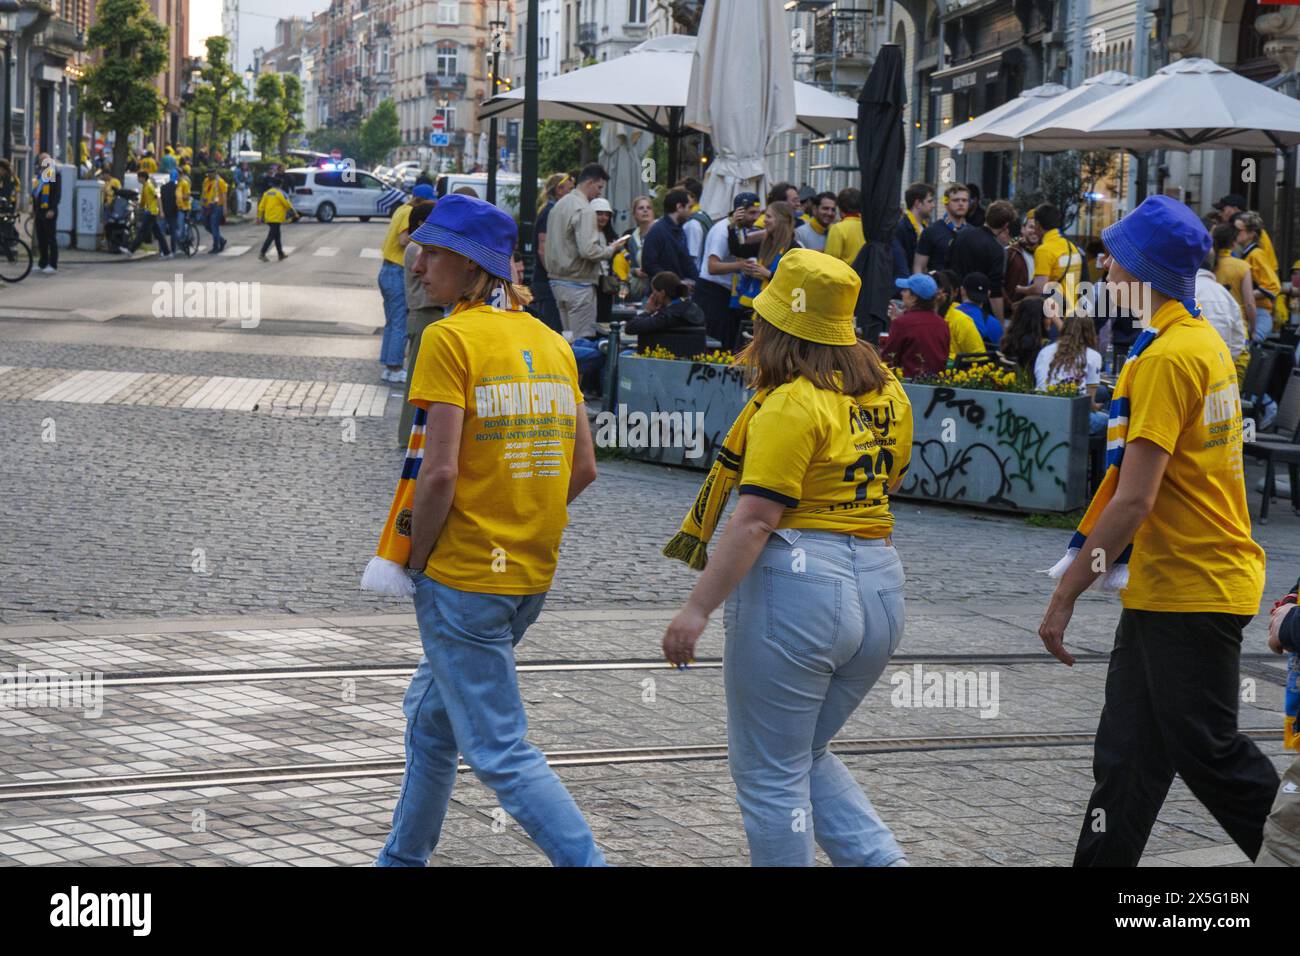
(575, 249)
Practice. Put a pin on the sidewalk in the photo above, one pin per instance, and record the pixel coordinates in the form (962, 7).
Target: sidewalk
(146, 251)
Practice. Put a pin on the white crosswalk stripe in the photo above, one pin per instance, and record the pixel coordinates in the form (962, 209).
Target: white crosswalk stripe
(326, 251)
(372, 254)
(234, 250)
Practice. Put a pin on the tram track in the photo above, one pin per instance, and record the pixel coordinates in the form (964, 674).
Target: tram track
(102, 786)
(343, 671)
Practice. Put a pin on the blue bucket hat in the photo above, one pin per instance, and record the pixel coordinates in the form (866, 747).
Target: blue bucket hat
(1161, 242)
(922, 286)
(477, 230)
(423, 191)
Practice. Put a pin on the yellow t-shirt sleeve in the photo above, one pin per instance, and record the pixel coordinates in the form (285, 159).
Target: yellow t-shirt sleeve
(902, 449)
(778, 449)
(1044, 261)
(1162, 400)
(835, 242)
(441, 369)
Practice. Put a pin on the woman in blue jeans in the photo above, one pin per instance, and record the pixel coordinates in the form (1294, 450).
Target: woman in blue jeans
(807, 567)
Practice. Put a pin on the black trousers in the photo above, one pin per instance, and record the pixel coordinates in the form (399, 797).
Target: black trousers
(273, 235)
(1172, 690)
(47, 240)
(721, 321)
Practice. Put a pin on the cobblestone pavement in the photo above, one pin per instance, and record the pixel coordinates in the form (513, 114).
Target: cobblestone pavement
(152, 540)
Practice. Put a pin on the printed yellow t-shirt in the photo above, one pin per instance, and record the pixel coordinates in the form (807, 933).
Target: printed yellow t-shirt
(518, 383)
(1058, 258)
(829, 457)
(844, 239)
(1194, 551)
(963, 337)
(392, 249)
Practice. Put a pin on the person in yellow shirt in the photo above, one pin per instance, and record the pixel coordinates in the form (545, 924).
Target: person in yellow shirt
(274, 208)
(1057, 261)
(844, 240)
(184, 200)
(1264, 276)
(392, 287)
(806, 564)
(1170, 529)
(1234, 275)
(963, 337)
(147, 163)
(150, 213)
(214, 206)
(501, 445)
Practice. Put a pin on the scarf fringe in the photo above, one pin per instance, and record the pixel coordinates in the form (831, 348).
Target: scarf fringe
(688, 548)
(386, 577)
(1116, 579)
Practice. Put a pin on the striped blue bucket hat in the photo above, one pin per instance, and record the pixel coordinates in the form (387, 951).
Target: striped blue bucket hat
(477, 230)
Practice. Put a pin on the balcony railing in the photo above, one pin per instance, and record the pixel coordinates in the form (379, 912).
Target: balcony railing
(441, 81)
(844, 35)
(587, 37)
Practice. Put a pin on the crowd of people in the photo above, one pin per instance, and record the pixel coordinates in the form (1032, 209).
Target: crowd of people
(500, 444)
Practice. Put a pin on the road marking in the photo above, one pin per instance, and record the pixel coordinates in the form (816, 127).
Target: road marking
(372, 254)
(288, 250)
(326, 251)
(209, 393)
(234, 251)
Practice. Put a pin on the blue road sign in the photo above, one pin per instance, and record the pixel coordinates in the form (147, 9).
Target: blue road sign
(439, 139)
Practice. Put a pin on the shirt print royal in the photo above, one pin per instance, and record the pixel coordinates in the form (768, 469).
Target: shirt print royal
(533, 416)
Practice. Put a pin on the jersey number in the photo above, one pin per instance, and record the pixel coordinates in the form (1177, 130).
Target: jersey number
(884, 461)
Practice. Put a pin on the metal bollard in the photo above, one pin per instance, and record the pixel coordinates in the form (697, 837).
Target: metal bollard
(611, 365)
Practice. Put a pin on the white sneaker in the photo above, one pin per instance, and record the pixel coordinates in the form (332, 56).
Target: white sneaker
(384, 375)
(398, 377)
(48, 270)
(124, 250)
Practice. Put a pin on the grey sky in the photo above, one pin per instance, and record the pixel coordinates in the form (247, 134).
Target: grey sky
(257, 22)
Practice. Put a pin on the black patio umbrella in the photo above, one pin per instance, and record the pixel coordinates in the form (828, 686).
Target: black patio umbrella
(880, 160)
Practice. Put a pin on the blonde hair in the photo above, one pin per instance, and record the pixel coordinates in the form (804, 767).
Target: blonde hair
(774, 357)
(483, 285)
(553, 182)
(779, 226)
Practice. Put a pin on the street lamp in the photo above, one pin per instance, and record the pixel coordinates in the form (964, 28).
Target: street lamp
(498, 32)
(9, 31)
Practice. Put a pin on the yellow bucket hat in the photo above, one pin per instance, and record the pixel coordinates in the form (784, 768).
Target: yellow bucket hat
(812, 297)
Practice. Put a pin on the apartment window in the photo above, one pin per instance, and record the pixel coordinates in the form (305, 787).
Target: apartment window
(636, 11)
(447, 58)
(449, 11)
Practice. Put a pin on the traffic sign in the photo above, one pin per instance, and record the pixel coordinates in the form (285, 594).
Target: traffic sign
(439, 139)
(439, 122)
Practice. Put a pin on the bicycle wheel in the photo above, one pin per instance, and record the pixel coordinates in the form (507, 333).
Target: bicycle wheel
(190, 241)
(15, 260)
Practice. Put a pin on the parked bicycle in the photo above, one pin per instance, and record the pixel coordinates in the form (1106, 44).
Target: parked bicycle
(121, 220)
(15, 254)
(188, 241)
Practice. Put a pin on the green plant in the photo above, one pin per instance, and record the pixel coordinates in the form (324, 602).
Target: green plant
(379, 135)
(1066, 522)
(220, 100)
(117, 90)
(266, 119)
(292, 105)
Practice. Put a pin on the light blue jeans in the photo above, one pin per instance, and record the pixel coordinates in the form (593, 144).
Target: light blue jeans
(464, 698)
(392, 286)
(808, 632)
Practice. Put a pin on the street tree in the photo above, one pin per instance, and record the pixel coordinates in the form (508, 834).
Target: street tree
(379, 135)
(117, 90)
(266, 118)
(219, 98)
(292, 106)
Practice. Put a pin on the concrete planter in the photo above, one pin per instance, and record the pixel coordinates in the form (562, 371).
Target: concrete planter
(1005, 450)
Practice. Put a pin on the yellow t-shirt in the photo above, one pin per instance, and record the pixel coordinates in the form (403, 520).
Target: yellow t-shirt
(1270, 255)
(1264, 277)
(274, 206)
(1060, 260)
(829, 457)
(518, 384)
(1228, 271)
(149, 197)
(1194, 552)
(148, 165)
(962, 334)
(393, 250)
(844, 239)
(183, 192)
(214, 191)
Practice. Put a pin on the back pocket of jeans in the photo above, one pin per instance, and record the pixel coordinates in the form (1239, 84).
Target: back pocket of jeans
(891, 600)
(803, 611)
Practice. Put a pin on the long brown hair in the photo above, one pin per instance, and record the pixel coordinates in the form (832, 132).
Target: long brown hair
(779, 229)
(775, 357)
(1071, 358)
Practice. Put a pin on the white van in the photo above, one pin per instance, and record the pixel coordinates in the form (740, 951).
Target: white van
(328, 192)
(507, 188)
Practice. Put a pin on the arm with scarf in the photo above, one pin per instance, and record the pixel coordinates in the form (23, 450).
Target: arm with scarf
(1135, 496)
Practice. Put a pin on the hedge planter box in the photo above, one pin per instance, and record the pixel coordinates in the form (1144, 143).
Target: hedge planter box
(1007, 450)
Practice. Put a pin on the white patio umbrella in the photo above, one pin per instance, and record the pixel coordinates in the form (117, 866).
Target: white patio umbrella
(483, 149)
(1007, 131)
(1189, 104)
(741, 110)
(648, 88)
(622, 149)
(954, 139)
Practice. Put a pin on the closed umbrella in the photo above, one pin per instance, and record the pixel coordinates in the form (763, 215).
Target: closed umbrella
(622, 149)
(742, 109)
(880, 160)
